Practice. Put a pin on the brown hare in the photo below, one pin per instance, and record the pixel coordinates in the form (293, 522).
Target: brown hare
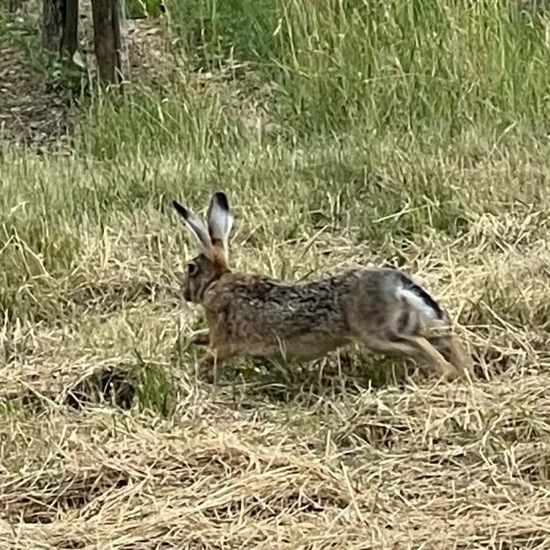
(251, 314)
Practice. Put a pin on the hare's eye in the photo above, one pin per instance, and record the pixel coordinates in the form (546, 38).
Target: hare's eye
(193, 269)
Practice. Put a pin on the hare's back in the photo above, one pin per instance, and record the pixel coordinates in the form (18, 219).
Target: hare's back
(284, 309)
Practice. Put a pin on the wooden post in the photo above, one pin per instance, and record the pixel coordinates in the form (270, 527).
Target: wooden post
(109, 40)
(60, 26)
(69, 41)
(52, 24)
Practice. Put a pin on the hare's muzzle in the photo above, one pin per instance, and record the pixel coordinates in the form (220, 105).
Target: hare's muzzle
(186, 294)
(185, 291)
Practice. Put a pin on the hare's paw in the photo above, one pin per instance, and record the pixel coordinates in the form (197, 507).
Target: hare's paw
(211, 361)
(205, 370)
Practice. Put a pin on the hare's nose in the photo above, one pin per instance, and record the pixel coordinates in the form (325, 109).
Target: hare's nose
(186, 295)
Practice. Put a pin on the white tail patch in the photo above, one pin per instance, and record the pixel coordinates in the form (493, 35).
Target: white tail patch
(418, 303)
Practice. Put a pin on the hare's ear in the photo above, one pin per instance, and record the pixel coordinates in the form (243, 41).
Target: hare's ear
(196, 226)
(220, 221)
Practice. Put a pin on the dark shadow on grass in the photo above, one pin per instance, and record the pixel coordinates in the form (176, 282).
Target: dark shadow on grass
(110, 386)
(335, 376)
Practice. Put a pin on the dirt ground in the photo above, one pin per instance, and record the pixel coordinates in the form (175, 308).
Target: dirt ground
(37, 114)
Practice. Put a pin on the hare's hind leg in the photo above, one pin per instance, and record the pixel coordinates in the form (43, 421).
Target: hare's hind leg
(413, 346)
(451, 347)
(460, 357)
(446, 369)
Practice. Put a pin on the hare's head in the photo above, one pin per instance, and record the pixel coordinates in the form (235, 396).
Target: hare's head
(213, 238)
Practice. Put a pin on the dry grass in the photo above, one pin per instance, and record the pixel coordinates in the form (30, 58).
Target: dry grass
(344, 454)
(424, 467)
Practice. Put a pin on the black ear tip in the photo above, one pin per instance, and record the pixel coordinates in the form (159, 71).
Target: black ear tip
(180, 209)
(221, 199)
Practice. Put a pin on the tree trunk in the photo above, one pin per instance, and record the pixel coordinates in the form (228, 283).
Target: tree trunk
(108, 40)
(60, 26)
(69, 41)
(52, 24)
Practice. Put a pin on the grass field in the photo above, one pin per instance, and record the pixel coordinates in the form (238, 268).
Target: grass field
(412, 134)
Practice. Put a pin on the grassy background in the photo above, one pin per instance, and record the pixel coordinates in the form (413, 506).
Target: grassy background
(408, 133)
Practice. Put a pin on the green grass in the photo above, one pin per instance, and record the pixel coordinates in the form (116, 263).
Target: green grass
(381, 66)
(403, 133)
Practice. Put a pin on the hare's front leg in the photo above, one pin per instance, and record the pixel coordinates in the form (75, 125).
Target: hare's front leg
(211, 361)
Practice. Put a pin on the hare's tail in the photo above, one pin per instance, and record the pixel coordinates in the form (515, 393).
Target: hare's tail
(418, 298)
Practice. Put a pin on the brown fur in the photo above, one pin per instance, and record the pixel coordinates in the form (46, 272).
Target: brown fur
(381, 309)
